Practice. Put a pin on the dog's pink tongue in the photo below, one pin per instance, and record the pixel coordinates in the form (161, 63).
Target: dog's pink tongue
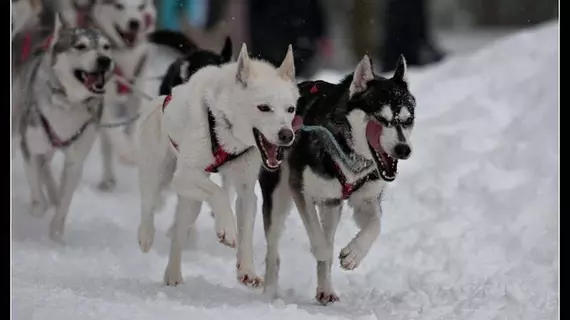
(373, 132)
(271, 151)
(297, 123)
(91, 79)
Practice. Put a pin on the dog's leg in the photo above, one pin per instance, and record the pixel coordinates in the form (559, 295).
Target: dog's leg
(246, 205)
(49, 181)
(153, 164)
(319, 246)
(195, 184)
(192, 232)
(367, 215)
(276, 207)
(330, 217)
(75, 156)
(33, 173)
(186, 213)
(108, 181)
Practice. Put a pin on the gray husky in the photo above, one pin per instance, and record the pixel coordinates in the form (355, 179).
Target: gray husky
(57, 104)
(371, 118)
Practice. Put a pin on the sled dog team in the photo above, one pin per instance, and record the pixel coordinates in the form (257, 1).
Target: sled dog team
(314, 144)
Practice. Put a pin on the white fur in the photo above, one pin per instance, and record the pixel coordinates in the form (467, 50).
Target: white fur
(232, 93)
(387, 113)
(404, 114)
(107, 16)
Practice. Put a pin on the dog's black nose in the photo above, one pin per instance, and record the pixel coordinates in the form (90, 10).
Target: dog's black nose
(103, 63)
(286, 135)
(134, 25)
(402, 151)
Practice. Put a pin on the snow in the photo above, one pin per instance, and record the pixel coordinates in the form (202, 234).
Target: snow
(470, 229)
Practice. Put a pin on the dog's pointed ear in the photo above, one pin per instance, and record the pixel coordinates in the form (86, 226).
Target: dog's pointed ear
(362, 74)
(287, 68)
(401, 69)
(243, 68)
(227, 50)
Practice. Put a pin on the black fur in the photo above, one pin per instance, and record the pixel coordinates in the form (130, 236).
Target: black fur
(327, 104)
(194, 58)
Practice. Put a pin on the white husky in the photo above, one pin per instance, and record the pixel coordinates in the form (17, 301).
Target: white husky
(235, 118)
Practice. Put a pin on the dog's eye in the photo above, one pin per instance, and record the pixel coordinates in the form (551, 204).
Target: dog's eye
(263, 108)
(106, 47)
(119, 6)
(81, 46)
(141, 7)
(383, 121)
(291, 109)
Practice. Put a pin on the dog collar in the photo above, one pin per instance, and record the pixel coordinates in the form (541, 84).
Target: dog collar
(221, 156)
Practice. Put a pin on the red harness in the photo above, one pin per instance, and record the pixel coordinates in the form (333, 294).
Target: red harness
(221, 156)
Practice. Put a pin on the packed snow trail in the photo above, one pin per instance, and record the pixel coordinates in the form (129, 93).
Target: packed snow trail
(470, 227)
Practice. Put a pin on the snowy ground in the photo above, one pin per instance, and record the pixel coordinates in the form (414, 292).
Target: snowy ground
(470, 229)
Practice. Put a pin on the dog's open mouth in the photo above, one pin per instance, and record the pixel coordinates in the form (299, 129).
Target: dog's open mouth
(93, 81)
(128, 37)
(387, 165)
(271, 154)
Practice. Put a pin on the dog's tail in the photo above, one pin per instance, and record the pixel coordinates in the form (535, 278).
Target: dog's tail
(173, 39)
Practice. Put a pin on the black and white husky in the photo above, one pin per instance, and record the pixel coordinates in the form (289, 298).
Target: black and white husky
(57, 104)
(230, 119)
(370, 117)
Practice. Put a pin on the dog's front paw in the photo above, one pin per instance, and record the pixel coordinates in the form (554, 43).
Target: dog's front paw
(351, 256)
(38, 208)
(173, 276)
(56, 230)
(146, 236)
(248, 278)
(325, 297)
(226, 234)
(107, 184)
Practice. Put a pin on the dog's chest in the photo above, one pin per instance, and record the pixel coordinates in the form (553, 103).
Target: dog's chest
(243, 170)
(323, 189)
